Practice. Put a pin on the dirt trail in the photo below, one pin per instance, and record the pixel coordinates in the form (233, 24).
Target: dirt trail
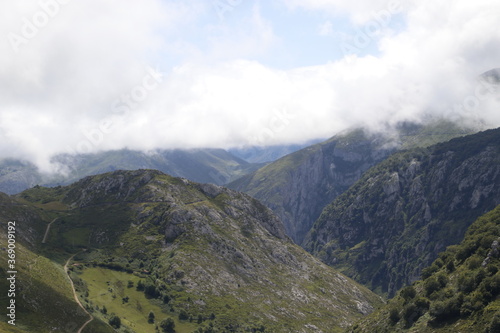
(47, 231)
(74, 293)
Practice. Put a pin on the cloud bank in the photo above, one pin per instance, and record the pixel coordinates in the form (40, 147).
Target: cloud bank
(78, 77)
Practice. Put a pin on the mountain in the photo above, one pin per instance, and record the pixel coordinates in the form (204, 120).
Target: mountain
(268, 154)
(396, 219)
(298, 186)
(215, 166)
(16, 176)
(459, 291)
(144, 247)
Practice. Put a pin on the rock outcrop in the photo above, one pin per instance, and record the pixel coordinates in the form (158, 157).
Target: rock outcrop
(403, 212)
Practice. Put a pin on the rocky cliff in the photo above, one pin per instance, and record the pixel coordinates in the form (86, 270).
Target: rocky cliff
(298, 186)
(396, 219)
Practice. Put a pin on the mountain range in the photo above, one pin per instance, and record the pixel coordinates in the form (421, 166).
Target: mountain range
(299, 186)
(410, 216)
(215, 166)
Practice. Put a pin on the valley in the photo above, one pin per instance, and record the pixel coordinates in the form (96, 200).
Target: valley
(148, 252)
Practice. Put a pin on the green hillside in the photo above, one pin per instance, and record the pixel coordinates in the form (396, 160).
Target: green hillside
(204, 257)
(459, 291)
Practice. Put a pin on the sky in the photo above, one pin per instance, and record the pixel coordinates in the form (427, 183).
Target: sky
(96, 75)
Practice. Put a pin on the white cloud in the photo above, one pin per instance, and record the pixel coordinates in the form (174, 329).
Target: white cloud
(360, 11)
(326, 29)
(89, 68)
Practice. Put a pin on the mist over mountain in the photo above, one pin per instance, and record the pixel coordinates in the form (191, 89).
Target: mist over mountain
(187, 75)
(395, 220)
(214, 166)
(298, 186)
(249, 166)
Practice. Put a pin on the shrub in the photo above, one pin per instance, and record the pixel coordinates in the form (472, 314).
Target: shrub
(494, 325)
(466, 282)
(151, 317)
(428, 271)
(474, 263)
(448, 309)
(115, 322)
(140, 286)
(431, 285)
(408, 293)
(410, 314)
(168, 325)
(183, 315)
(394, 315)
(450, 266)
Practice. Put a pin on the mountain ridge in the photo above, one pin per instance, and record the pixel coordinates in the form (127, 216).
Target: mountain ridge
(393, 222)
(298, 186)
(201, 251)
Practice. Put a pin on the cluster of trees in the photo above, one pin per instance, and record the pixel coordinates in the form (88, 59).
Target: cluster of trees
(460, 284)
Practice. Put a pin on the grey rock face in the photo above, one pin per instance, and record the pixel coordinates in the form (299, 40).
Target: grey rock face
(298, 187)
(406, 210)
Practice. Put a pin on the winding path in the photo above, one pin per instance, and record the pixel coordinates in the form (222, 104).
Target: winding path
(47, 232)
(74, 292)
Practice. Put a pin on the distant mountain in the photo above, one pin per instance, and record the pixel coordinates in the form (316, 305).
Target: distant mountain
(298, 186)
(492, 76)
(396, 219)
(268, 154)
(208, 258)
(459, 291)
(215, 166)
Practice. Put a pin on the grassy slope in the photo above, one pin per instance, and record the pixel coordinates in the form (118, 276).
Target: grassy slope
(40, 282)
(107, 288)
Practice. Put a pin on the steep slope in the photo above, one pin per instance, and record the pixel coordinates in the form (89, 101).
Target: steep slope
(41, 291)
(215, 166)
(202, 255)
(459, 292)
(268, 154)
(298, 186)
(393, 222)
(16, 176)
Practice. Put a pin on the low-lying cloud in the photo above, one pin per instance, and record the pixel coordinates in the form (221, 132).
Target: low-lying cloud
(91, 76)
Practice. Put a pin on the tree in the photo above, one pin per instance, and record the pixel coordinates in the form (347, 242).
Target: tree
(150, 291)
(115, 322)
(408, 293)
(140, 286)
(394, 315)
(151, 317)
(168, 325)
(494, 325)
(183, 315)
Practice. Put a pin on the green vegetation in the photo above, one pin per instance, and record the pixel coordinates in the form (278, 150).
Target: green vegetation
(46, 283)
(462, 299)
(152, 247)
